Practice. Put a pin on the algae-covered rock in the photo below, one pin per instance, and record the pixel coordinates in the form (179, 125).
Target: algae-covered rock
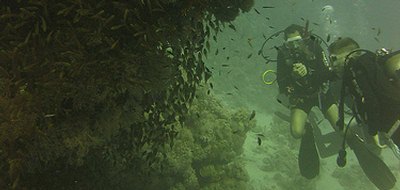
(210, 174)
(206, 152)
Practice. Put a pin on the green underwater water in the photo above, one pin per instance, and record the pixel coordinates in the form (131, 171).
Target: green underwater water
(127, 107)
(273, 165)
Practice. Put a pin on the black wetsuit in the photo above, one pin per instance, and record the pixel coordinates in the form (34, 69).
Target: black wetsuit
(373, 108)
(305, 91)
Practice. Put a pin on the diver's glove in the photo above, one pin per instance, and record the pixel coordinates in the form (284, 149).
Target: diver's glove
(299, 70)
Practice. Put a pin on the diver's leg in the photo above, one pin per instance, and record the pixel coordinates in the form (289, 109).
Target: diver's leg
(298, 119)
(330, 109)
(332, 115)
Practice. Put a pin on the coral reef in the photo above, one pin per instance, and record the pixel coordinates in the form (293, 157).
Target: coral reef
(90, 91)
(206, 154)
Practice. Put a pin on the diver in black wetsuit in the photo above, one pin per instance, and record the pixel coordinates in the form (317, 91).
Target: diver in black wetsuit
(375, 88)
(302, 73)
(372, 81)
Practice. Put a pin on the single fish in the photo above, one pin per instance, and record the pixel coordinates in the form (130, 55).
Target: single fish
(268, 7)
(249, 42)
(49, 115)
(258, 12)
(306, 27)
(248, 57)
(252, 115)
(225, 65)
(328, 38)
(232, 27)
(259, 141)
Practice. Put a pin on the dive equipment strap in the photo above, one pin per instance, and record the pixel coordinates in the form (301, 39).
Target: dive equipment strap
(395, 126)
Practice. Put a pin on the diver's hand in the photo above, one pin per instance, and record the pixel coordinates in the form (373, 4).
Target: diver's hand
(299, 70)
(378, 143)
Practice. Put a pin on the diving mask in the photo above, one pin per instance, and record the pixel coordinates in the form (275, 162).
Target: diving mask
(294, 42)
(294, 38)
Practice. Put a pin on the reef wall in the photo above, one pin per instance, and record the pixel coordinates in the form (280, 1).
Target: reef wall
(92, 90)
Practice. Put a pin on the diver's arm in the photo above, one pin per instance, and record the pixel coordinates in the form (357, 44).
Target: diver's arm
(369, 100)
(283, 74)
(323, 73)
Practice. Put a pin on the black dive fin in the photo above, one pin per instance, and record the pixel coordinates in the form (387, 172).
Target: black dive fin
(374, 168)
(308, 155)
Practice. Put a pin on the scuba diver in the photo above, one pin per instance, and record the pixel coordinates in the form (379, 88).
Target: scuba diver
(302, 76)
(372, 82)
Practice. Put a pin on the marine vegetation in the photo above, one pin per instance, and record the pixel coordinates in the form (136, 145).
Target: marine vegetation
(92, 90)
